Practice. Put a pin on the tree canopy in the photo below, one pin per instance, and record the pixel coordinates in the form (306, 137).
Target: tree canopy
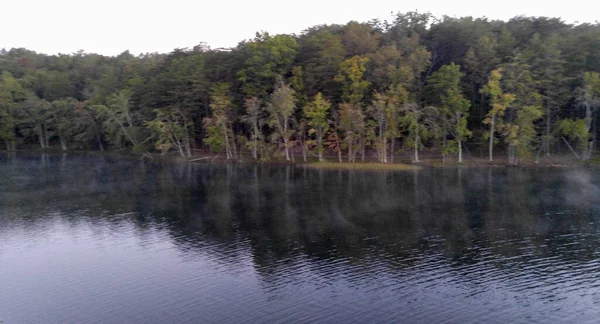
(524, 87)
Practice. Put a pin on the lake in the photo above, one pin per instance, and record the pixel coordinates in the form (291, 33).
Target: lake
(101, 239)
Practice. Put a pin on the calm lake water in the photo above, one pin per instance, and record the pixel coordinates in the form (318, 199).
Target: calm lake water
(99, 239)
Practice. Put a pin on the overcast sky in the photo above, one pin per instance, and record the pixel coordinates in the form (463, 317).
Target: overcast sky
(112, 26)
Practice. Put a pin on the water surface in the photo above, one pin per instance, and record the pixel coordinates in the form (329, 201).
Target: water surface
(100, 239)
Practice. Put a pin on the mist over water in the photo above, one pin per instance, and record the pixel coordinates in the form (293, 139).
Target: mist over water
(90, 238)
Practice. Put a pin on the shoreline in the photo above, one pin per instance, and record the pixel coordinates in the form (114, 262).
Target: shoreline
(402, 163)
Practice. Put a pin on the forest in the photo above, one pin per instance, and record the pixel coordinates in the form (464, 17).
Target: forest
(415, 85)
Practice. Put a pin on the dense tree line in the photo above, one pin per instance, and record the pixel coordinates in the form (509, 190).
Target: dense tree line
(528, 86)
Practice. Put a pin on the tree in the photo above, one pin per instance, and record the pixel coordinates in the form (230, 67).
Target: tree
(589, 97)
(169, 131)
(352, 122)
(445, 83)
(267, 57)
(359, 39)
(499, 102)
(255, 120)
(119, 120)
(35, 115)
(480, 59)
(548, 66)
(351, 75)
(281, 108)
(218, 126)
(575, 129)
(520, 130)
(316, 114)
(11, 93)
(62, 112)
(379, 111)
(419, 122)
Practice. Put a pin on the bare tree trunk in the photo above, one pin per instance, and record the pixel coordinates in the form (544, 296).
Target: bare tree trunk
(285, 148)
(350, 149)
(188, 149)
(362, 148)
(100, 146)
(417, 148)
(547, 139)
(320, 144)
(46, 139)
(491, 148)
(40, 134)
(383, 149)
(227, 146)
(63, 143)
(255, 146)
(460, 159)
(571, 148)
(393, 140)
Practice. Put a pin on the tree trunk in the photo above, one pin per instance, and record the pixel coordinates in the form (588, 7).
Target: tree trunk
(304, 152)
(40, 134)
(255, 146)
(460, 159)
(63, 143)
(227, 147)
(320, 144)
(383, 149)
(362, 148)
(46, 139)
(393, 140)
(417, 148)
(350, 149)
(547, 139)
(571, 148)
(491, 148)
(100, 146)
(285, 147)
(188, 149)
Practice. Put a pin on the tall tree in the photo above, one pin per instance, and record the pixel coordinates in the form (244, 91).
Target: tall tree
(445, 84)
(267, 57)
(219, 133)
(255, 120)
(499, 102)
(11, 93)
(316, 113)
(351, 76)
(281, 108)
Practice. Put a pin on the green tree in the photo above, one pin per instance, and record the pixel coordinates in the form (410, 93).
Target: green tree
(316, 113)
(267, 57)
(255, 119)
(351, 75)
(169, 131)
(454, 108)
(281, 109)
(352, 122)
(62, 112)
(219, 133)
(119, 125)
(11, 93)
(499, 102)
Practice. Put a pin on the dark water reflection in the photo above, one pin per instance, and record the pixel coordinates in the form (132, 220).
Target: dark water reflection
(87, 239)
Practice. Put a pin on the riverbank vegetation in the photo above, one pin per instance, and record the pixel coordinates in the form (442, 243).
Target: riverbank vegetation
(453, 87)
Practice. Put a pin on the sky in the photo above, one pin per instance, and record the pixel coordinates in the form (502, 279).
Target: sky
(112, 26)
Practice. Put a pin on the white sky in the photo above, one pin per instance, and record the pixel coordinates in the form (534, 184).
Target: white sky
(112, 26)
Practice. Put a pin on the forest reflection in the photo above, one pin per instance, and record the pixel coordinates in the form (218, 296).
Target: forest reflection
(282, 216)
